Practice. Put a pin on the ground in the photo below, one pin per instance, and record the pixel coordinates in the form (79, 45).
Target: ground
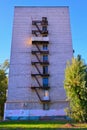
(42, 125)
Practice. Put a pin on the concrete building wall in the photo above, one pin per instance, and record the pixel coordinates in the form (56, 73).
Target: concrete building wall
(20, 94)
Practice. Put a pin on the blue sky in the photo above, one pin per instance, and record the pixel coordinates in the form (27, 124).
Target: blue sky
(78, 18)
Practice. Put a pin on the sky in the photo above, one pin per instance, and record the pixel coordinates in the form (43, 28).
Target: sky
(78, 21)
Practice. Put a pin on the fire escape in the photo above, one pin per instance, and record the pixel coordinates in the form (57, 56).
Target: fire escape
(40, 42)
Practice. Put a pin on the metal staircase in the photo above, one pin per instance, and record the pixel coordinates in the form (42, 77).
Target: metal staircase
(40, 42)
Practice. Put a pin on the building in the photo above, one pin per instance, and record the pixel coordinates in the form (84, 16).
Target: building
(41, 47)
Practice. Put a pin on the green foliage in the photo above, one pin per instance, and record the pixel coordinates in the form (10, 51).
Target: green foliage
(5, 65)
(3, 85)
(75, 84)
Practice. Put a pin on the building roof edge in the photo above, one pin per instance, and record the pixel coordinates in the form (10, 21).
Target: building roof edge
(41, 6)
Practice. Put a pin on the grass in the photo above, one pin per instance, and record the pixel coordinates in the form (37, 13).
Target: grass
(41, 125)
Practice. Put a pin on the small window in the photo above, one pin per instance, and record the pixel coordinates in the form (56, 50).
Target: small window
(46, 93)
(45, 82)
(45, 47)
(45, 106)
(44, 21)
(45, 69)
(45, 58)
(44, 29)
(44, 18)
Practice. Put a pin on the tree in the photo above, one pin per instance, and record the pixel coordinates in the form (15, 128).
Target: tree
(75, 85)
(5, 65)
(3, 85)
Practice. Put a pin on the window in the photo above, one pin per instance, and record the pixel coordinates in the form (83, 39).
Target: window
(44, 29)
(45, 69)
(44, 18)
(46, 93)
(45, 106)
(44, 21)
(46, 97)
(45, 58)
(45, 47)
(45, 82)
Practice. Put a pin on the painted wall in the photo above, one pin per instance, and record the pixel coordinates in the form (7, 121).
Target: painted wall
(60, 48)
